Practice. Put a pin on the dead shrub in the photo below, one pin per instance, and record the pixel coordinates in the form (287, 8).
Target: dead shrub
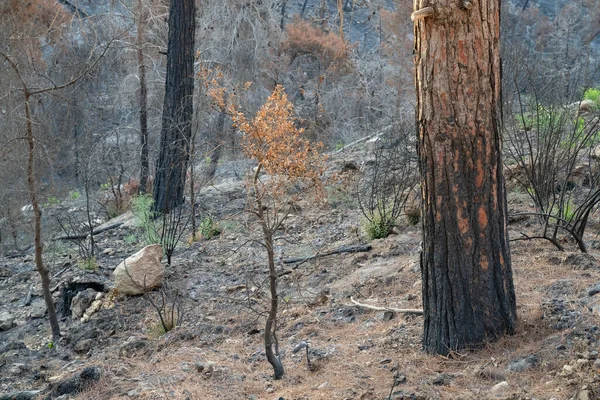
(303, 38)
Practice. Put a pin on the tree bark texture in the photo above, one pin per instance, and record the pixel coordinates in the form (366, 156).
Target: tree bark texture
(178, 108)
(37, 222)
(468, 293)
(144, 164)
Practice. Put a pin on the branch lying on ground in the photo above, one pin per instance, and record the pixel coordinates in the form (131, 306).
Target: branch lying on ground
(396, 310)
(345, 249)
(95, 232)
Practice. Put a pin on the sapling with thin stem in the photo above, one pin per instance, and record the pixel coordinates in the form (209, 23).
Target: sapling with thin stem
(291, 162)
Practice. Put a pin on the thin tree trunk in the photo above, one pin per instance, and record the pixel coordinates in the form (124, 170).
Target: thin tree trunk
(37, 218)
(303, 8)
(282, 23)
(144, 162)
(323, 11)
(468, 294)
(178, 107)
(271, 323)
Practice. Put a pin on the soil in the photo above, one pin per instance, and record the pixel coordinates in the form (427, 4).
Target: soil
(349, 352)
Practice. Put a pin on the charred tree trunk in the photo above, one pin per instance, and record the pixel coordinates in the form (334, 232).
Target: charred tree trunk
(468, 293)
(176, 132)
(144, 163)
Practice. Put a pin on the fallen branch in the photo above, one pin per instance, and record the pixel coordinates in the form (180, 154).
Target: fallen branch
(345, 249)
(364, 139)
(396, 310)
(94, 232)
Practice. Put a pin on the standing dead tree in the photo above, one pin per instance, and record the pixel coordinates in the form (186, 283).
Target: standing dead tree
(28, 93)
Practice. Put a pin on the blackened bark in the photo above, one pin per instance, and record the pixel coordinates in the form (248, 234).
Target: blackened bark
(176, 132)
(468, 294)
(144, 163)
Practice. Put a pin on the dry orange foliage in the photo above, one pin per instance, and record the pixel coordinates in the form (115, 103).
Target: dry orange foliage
(303, 38)
(275, 141)
(273, 138)
(44, 15)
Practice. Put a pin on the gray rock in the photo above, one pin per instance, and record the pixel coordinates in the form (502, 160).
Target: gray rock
(77, 383)
(38, 309)
(500, 387)
(594, 290)
(83, 346)
(582, 261)
(131, 346)
(23, 395)
(81, 302)
(386, 316)
(584, 395)
(524, 363)
(7, 321)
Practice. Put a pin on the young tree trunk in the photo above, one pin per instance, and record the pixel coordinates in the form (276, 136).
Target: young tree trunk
(270, 338)
(37, 218)
(468, 294)
(144, 163)
(176, 132)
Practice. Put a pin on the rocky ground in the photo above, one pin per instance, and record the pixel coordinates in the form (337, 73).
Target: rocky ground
(113, 349)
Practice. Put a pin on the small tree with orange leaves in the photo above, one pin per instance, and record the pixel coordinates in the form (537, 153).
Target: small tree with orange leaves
(290, 162)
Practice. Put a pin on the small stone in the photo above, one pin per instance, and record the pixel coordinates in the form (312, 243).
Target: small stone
(199, 366)
(270, 390)
(109, 251)
(410, 296)
(524, 363)
(584, 395)
(401, 378)
(83, 346)
(7, 321)
(440, 379)
(567, 370)
(594, 290)
(17, 369)
(386, 316)
(500, 387)
(323, 385)
(81, 302)
(385, 361)
(38, 310)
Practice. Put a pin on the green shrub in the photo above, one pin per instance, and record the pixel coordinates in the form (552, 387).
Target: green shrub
(142, 208)
(209, 228)
(88, 264)
(593, 94)
(380, 225)
(74, 194)
(130, 239)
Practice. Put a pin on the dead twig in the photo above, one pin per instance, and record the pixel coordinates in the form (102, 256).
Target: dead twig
(396, 310)
(345, 249)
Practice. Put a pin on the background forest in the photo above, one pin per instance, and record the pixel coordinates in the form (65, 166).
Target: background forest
(347, 70)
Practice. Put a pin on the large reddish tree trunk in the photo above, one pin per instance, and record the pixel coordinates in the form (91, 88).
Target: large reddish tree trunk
(468, 294)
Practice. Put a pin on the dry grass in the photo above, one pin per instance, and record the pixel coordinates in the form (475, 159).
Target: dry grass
(303, 38)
